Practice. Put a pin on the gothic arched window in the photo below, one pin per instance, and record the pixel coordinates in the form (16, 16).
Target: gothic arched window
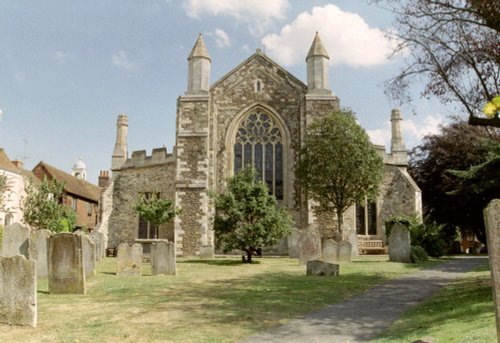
(259, 143)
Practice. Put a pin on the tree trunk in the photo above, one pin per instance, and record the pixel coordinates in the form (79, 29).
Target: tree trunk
(249, 256)
(340, 224)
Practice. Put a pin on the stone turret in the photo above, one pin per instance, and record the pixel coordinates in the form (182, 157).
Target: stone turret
(317, 68)
(398, 148)
(80, 169)
(199, 69)
(120, 150)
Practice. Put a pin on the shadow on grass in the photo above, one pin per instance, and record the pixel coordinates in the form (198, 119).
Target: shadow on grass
(219, 262)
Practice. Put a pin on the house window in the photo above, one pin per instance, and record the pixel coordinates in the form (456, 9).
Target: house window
(89, 209)
(146, 229)
(259, 143)
(73, 204)
(366, 218)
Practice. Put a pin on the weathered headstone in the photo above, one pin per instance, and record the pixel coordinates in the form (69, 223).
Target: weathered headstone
(129, 260)
(353, 239)
(207, 252)
(18, 298)
(65, 259)
(330, 250)
(293, 243)
(16, 240)
(163, 258)
(89, 264)
(38, 251)
(492, 223)
(320, 268)
(98, 239)
(344, 251)
(310, 246)
(399, 244)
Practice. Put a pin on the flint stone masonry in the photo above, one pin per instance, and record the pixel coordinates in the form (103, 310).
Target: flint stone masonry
(16, 240)
(18, 298)
(330, 250)
(399, 244)
(492, 223)
(163, 260)
(320, 268)
(344, 251)
(310, 246)
(65, 258)
(207, 252)
(38, 251)
(129, 260)
(89, 261)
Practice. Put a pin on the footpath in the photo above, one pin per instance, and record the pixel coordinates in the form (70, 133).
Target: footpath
(361, 317)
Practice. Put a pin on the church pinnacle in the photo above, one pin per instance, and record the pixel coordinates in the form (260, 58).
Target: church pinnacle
(199, 68)
(317, 68)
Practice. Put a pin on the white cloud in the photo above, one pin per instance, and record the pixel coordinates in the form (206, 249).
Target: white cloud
(221, 38)
(60, 57)
(120, 60)
(258, 14)
(380, 136)
(346, 36)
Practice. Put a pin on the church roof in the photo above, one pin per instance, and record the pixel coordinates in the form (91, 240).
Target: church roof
(317, 48)
(70, 183)
(199, 49)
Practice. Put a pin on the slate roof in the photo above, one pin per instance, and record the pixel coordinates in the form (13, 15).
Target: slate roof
(71, 184)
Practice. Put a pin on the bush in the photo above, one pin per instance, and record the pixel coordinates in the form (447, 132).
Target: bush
(431, 237)
(418, 254)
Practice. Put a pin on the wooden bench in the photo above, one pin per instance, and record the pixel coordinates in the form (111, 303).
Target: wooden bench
(369, 246)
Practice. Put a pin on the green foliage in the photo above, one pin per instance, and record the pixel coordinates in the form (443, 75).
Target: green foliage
(338, 165)
(155, 209)
(43, 209)
(418, 254)
(247, 217)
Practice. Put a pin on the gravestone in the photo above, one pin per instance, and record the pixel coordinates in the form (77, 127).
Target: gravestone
(353, 239)
(207, 252)
(492, 223)
(98, 239)
(293, 243)
(399, 243)
(65, 260)
(344, 251)
(320, 268)
(38, 251)
(89, 264)
(330, 250)
(129, 260)
(18, 298)
(16, 240)
(163, 258)
(310, 246)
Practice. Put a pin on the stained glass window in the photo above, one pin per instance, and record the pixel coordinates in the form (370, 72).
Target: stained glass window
(259, 143)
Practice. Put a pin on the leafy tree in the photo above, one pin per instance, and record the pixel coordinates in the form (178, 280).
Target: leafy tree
(457, 147)
(155, 209)
(247, 217)
(338, 164)
(43, 208)
(453, 46)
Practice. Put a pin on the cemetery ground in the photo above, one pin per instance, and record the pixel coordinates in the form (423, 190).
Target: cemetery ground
(223, 300)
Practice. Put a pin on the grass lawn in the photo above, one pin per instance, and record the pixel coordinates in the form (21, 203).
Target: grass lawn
(461, 312)
(220, 300)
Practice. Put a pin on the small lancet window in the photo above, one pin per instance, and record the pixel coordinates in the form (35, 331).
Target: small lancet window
(258, 86)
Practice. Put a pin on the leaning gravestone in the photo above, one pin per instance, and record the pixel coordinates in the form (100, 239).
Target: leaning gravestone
(310, 246)
(163, 258)
(293, 243)
(38, 251)
(65, 259)
(320, 268)
(344, 251)
(89, 264)
(399, 244)
(330, 250)
(16, 240)
(492, 223)
(129, 260)
(207, 252)
(18, 299)
(98, 239)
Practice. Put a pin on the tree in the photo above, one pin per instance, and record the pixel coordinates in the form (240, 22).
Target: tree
(453, 45)
(247, 217)
(43, 208)
(338, 164)
(155, 209)
(457, 147)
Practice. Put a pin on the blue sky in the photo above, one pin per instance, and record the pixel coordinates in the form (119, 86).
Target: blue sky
(68, 68)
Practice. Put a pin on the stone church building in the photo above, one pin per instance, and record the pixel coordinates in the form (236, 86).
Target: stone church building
(256, 114)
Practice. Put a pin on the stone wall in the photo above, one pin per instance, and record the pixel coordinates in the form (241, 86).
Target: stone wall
(130, 182)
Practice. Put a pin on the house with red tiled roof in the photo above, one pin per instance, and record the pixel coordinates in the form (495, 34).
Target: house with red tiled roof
(79, 194)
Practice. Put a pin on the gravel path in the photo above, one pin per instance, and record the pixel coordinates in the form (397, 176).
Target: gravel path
(360, 318)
